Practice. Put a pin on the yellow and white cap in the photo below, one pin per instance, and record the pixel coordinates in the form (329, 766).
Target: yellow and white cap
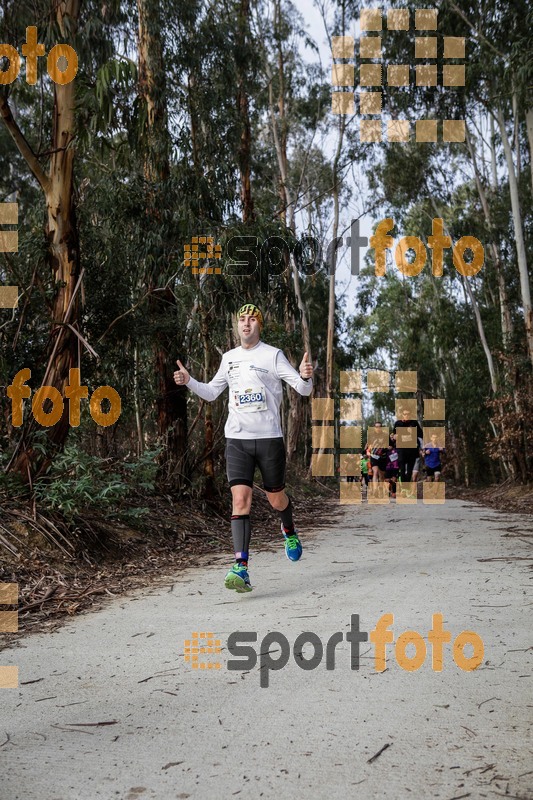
(253, 311)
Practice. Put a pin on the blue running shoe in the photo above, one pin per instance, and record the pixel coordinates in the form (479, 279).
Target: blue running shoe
(238, 579)
(293, 546)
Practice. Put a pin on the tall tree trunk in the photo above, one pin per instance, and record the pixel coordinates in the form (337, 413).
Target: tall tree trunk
(209, 465)
(332, 266)
(242, 59)
(481, 331)
(63, 250)
(529, 128)
(469, 295)
(332, 260)
(519, 236)
(200, 304)
(505, 312)
(171, 400)
(279, 124)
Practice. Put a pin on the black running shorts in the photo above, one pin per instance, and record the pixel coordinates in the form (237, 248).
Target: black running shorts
(379, 461)
(244, 455)
(431, 471)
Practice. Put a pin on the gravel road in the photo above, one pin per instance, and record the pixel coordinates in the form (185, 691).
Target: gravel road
(109, 708)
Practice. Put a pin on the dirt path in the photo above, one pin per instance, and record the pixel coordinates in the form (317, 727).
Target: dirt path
(176, 732)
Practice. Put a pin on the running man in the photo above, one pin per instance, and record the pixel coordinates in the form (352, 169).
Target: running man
(432, 458)
(254, 373)
(405, 435)
(378, 458)
(365, 466)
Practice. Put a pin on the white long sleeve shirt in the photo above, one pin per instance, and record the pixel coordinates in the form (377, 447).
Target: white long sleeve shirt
(255, 391)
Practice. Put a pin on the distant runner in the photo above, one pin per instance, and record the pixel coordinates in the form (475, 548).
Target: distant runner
(254, 373)
(378, 458)
(406, 433)
(391, 471)
(432, 458)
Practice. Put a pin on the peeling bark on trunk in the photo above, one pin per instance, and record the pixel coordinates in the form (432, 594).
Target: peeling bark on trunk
(63, 250)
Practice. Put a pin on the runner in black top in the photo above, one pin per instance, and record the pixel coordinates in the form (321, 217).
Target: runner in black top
(406, 432)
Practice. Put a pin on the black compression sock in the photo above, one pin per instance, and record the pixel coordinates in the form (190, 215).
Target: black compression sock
(241, 534)
(286, 518)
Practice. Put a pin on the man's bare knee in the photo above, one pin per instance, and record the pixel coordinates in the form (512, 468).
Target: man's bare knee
(278, 500)
(242, 499)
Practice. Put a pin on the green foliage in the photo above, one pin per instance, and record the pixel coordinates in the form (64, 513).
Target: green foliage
(79, 482)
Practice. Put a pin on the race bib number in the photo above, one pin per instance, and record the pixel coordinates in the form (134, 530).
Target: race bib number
(251, 399)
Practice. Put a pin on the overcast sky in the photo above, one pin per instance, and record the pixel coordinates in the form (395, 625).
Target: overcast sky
(346, 283)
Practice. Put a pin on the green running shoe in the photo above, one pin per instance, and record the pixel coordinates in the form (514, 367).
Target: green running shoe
(293, 545)
(238, 579)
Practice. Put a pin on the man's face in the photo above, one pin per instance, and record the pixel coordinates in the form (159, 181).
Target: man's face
(249, 329)
(405, 414)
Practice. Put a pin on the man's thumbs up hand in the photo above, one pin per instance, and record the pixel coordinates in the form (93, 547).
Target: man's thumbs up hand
(306, 368)
(181, 376)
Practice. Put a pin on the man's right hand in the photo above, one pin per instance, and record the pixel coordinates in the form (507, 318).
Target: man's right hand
(181, 376)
